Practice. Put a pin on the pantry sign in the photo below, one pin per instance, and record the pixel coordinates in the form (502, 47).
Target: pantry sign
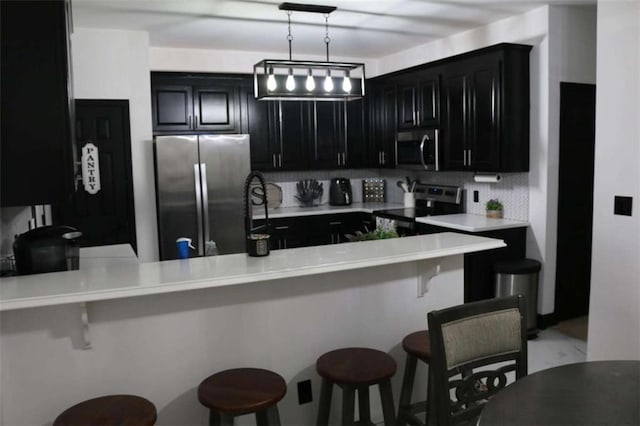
(91, 168)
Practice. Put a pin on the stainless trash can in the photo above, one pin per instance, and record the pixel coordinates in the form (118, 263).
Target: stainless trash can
(520, 277)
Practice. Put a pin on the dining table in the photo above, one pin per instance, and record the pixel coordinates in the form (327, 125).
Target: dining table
(585, 393)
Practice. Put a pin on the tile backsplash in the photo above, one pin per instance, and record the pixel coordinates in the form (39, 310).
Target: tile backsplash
(512, 190)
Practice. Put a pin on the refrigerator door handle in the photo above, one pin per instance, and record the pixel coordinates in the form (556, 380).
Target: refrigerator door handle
(205, 201)
(198, 191)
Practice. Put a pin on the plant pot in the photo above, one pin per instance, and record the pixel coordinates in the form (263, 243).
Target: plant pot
(494, 214)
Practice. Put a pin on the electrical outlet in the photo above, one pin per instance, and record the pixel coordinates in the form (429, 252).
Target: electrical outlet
(622, 205)
(476, 196)
(304, 392)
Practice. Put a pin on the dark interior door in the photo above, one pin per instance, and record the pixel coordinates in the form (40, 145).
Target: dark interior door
(108, 216)
(575, 199)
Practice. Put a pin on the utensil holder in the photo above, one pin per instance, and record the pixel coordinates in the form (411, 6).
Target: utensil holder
(409, 199)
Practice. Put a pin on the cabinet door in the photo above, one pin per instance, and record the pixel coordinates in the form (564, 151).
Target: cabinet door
(484, 143)
(172, 106)
(354, 138)
(407, 106)
(454, 132)
(216, 109)
(327, 143)
(428, 100)
(260, 119)
(293, 134)
(388, 134)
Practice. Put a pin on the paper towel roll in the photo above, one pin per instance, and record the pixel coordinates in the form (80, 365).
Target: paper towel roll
(487, 178)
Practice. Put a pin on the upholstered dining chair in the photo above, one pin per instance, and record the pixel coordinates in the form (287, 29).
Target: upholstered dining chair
(473, 347)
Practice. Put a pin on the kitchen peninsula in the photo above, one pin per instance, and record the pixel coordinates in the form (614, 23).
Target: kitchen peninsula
(157, 329)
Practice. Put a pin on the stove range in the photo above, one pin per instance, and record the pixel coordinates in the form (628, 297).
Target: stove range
(431, 200)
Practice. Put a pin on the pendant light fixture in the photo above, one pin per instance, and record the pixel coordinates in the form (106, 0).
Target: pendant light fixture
(296, 80)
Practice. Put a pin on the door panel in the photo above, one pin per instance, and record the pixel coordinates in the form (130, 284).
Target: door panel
(455, 129)
(484, 141)
(108, 216)
(575, 199)
(227, 161)
(215, 109)
(175, 159)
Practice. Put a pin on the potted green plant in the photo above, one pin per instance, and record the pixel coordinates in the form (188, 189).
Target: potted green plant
(494, 208)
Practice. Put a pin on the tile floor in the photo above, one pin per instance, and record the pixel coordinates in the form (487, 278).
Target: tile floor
(552, 348)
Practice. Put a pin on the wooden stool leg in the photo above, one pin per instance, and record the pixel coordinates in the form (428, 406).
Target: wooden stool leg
(386, 396)
(219, 419)
(325, 403)
(348, 405)
(407, 389)
(363, 405)
(268, 417)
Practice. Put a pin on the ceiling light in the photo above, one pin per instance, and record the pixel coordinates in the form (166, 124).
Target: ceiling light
(279, 80)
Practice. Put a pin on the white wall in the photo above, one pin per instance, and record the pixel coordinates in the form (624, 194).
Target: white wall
(572, 58)
(614, 318)
(115, 65)
(162, 346)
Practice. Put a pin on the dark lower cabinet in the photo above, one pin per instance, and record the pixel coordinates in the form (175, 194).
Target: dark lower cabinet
(479, 278)
(36, 140)
(305, 231)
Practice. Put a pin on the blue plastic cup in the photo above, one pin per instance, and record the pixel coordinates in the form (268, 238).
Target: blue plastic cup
(184, 244)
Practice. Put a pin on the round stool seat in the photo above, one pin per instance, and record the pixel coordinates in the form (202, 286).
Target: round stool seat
(356, 366)
(418, 344)
(110, 410)
(242, 390)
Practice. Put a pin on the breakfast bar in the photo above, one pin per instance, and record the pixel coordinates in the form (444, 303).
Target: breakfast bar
(157, 329)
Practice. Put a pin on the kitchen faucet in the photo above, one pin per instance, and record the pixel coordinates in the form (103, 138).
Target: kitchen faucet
(257, 244)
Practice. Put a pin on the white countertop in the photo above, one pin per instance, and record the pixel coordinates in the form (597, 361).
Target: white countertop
(128, 279)
(324, 209)
(471, 222)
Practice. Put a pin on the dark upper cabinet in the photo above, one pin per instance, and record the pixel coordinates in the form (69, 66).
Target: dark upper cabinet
(279, 133)
(36, 148)
(418, 99)
(337, 130)
(195, 103)
(382, 124)
(485, 110)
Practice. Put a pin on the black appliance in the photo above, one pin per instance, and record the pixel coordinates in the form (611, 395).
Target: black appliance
(418, 149)
(47, 249)
(431, 200)
(340, 192)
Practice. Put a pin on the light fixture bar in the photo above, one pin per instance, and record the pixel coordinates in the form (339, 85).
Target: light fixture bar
(313, 8)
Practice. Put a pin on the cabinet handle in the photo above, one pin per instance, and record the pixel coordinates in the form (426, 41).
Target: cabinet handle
(380, 158)
(338, 159)
(280, 160)
(384, 158)
(189, 121)
(464, 157)
(274, 161)
(195, 123)
(284, 242)
(344, 159)
(335, 223)
(280, 228)
(469, 157)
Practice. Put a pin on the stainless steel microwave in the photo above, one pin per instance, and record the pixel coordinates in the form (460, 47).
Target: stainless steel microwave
(418, 149)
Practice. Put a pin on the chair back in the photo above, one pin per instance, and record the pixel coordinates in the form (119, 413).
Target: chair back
(473, 347)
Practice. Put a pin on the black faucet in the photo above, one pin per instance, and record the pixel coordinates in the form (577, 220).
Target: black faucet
(248, 214)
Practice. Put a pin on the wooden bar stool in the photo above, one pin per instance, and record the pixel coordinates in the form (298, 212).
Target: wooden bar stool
(356, 369)
(110, 410)
(239, 391)
(417, 345)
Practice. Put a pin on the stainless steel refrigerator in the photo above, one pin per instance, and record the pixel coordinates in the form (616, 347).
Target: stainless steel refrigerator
(200, 192)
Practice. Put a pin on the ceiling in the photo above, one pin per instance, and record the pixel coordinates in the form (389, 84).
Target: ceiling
(357, 29)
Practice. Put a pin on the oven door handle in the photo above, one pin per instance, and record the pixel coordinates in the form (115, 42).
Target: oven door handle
(424, 139)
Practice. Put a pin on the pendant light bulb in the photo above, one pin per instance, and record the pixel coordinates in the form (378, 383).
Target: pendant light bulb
(328, 82)
(291, 83)
(311, 83)
(271, 81)
(346, 83)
